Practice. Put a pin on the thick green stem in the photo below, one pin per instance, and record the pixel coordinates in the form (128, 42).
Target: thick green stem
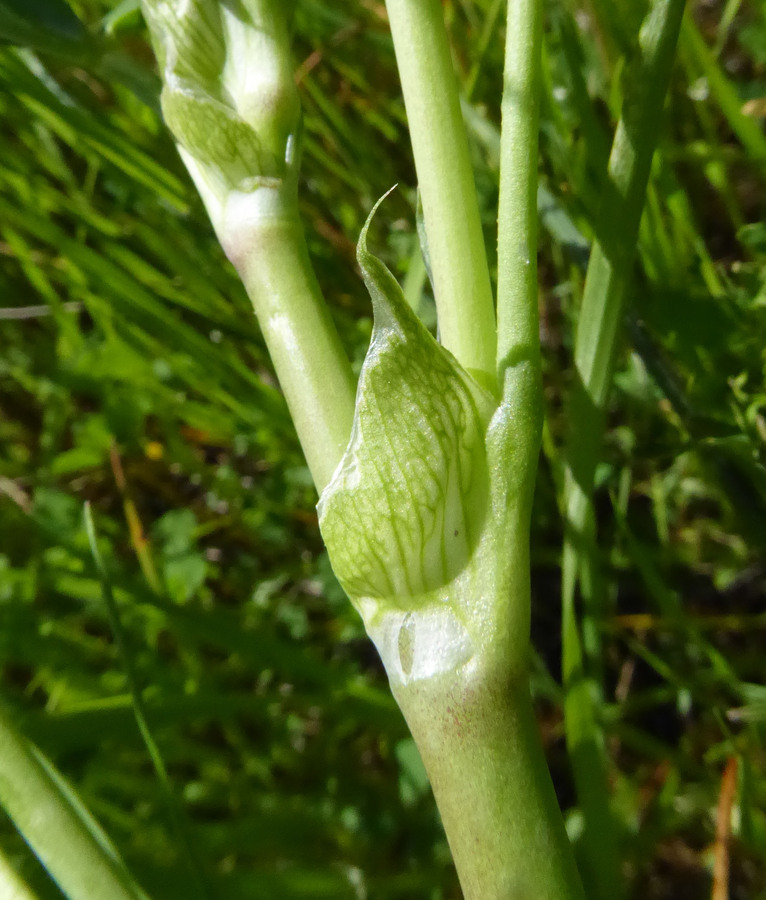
(479, 741)
(517, 315)
(447, 187)
(231, 101)
(458, 670)
(308, 357)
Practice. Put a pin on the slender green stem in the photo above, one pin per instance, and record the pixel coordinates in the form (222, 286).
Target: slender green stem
(595, 352)
(447, 187)
(517, 314)
(311, 365)
(620, 214)
(173, 807)
(55, 824)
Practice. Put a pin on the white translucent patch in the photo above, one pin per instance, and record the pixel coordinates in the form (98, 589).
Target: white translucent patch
(419, 645)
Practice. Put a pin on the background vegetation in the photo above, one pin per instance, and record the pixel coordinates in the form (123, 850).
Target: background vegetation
(132, 375)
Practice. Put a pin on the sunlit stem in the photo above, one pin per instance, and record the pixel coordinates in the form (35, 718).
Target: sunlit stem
(251, 104)
(477, 734)
(311, 365)
(517, 315)
(445, 178)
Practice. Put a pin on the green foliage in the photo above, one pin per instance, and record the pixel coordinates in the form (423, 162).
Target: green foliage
(43, 24)
(270, 710)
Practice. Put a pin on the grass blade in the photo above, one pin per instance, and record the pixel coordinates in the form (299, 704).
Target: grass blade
(12, 885)
(746, 128)
(68, 841)
(195, 882)
(595, 351)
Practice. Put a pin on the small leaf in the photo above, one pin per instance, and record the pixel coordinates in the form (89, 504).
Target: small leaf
(406, 505)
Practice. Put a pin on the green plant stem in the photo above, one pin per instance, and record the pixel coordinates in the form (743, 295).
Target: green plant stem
(473, 722)
(447, 187)
(55, 824)
(231, 100)
(311, 365)
(620, 214)
(595, 351)
(479, 741)
(517, 314)
(482, 751)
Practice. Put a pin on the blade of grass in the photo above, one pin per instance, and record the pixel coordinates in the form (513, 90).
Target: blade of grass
(728, 16)
(77, 126)
(702, 60)
(12, 885)
(595, 352)
(196, 882)
(154, 319)
(70, 844)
